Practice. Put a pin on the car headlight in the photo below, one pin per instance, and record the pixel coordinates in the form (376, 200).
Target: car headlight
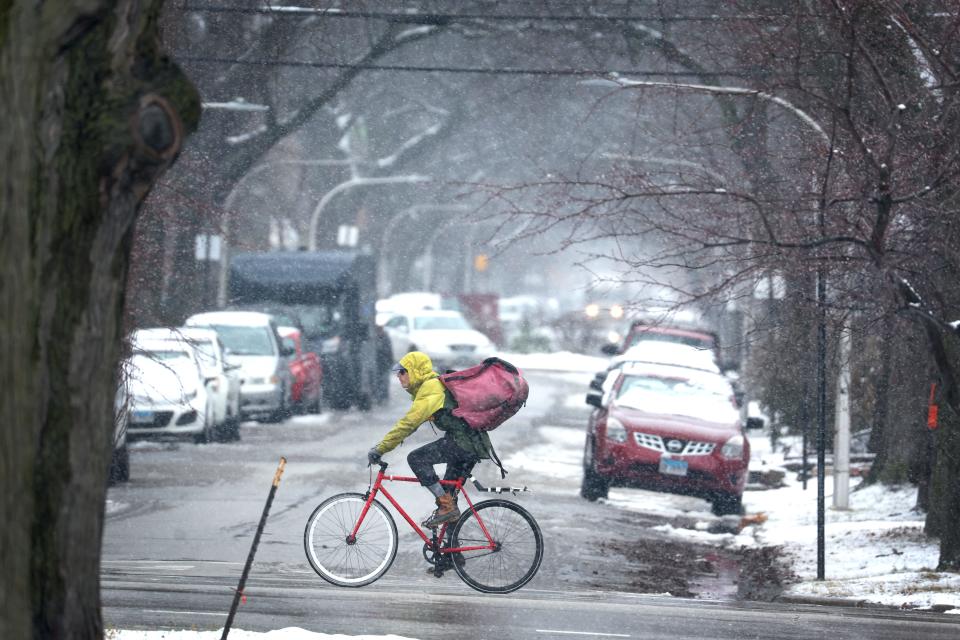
(733, 448)
(190, 395)
(616, 430)
(274, 379)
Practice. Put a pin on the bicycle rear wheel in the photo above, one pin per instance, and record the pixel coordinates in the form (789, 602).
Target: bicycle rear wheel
(517, 554)
(343, 563)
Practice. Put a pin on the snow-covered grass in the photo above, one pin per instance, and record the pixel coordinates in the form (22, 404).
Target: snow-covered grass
(874, 551)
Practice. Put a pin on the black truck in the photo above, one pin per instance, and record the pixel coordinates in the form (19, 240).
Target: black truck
(330, 297)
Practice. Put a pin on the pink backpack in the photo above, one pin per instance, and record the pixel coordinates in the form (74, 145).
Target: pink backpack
(487, 394)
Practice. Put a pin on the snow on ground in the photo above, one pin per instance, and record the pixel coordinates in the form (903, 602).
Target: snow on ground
(874, 551)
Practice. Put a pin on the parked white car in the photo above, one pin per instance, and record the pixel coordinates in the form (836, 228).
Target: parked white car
(445, 336)
(220, 376)
(166, 395)
(252, 341)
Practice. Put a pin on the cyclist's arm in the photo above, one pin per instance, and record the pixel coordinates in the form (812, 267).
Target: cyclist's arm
(428, 401)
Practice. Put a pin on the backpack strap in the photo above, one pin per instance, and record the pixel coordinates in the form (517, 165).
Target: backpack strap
(496, 461)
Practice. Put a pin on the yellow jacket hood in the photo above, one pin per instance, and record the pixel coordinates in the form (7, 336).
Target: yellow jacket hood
(419, 368)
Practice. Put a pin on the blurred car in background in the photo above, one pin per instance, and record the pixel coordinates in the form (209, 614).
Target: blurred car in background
(666, 428)
(252, 341)
(306, 392)
(445, 336)
(592, 328)
(220, 376)
(673, 353)
(166, 394)
(641, 331)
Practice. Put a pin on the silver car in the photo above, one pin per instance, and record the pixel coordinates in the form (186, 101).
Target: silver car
(252, 341)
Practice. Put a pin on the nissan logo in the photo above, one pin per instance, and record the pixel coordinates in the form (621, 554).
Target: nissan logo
(674, 446)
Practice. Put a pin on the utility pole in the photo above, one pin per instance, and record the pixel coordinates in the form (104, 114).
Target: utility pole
(841, 442)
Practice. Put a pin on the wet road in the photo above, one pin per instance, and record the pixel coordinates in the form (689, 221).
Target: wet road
(178, 533)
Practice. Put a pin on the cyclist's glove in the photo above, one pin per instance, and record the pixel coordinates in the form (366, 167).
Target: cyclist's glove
(373, 456)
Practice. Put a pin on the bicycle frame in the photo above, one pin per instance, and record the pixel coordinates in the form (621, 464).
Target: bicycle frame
(457, 484)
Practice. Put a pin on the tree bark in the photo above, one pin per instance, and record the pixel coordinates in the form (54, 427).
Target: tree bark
(93, 114)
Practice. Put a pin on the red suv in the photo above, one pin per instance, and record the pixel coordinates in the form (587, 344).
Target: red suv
(666, 428)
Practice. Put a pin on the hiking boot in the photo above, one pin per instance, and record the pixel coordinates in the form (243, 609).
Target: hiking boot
(447, 511)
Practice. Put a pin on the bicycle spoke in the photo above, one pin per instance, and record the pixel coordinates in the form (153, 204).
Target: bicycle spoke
(355, 563)
(518, 552)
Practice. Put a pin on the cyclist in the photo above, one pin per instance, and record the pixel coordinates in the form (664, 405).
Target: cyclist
(460, 447)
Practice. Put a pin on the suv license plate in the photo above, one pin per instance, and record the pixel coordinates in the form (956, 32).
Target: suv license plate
(141, 417)
(671, 467)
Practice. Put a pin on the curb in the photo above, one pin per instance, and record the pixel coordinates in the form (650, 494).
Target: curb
(825, 601)
(857, 603)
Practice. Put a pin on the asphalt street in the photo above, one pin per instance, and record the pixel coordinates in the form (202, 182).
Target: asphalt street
(178, 533)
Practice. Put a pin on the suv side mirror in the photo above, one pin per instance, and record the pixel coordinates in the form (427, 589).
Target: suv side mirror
(609, 349)
(597, 383)
(595, 400)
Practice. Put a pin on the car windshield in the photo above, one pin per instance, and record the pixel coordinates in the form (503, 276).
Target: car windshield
(206, 354)
(677, 396)
(246, 341)
(431, 323)
(315, 319)
(163, 354)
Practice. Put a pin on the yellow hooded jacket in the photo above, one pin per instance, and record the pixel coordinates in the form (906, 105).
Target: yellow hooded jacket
(429, 397)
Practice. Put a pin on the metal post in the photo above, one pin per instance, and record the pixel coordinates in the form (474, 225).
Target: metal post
(821, 401)
(238, 594)
(841, 443)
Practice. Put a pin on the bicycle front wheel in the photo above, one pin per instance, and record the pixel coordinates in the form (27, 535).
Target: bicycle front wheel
(517, 552)
(345, 562)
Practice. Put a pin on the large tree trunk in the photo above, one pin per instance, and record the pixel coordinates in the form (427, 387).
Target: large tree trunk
(92, 114)
(944, 514)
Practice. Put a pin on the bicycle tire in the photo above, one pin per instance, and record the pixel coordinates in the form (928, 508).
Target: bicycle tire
(342, 563)
(516, 560)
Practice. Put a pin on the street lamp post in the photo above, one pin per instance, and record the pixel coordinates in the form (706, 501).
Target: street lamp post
(350, 184)
(821, 288)
(228, 212)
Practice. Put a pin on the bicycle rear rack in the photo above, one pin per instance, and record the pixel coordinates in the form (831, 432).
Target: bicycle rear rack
(513, 490)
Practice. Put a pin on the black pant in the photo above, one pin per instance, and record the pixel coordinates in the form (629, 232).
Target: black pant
(459, 462)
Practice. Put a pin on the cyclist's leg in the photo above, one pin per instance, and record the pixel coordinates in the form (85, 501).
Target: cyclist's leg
(422, 459)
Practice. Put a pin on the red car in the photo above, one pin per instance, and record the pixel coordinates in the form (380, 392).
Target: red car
(641, 331)
(666, 428)
(307, 373)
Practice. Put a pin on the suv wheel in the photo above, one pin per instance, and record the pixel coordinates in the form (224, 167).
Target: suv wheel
(594, 485)
(726, 504)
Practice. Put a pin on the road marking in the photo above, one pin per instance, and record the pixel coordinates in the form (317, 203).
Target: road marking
(193, 613)
(585, 633)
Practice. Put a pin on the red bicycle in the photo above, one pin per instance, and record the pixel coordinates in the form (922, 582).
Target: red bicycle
(495, 546)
